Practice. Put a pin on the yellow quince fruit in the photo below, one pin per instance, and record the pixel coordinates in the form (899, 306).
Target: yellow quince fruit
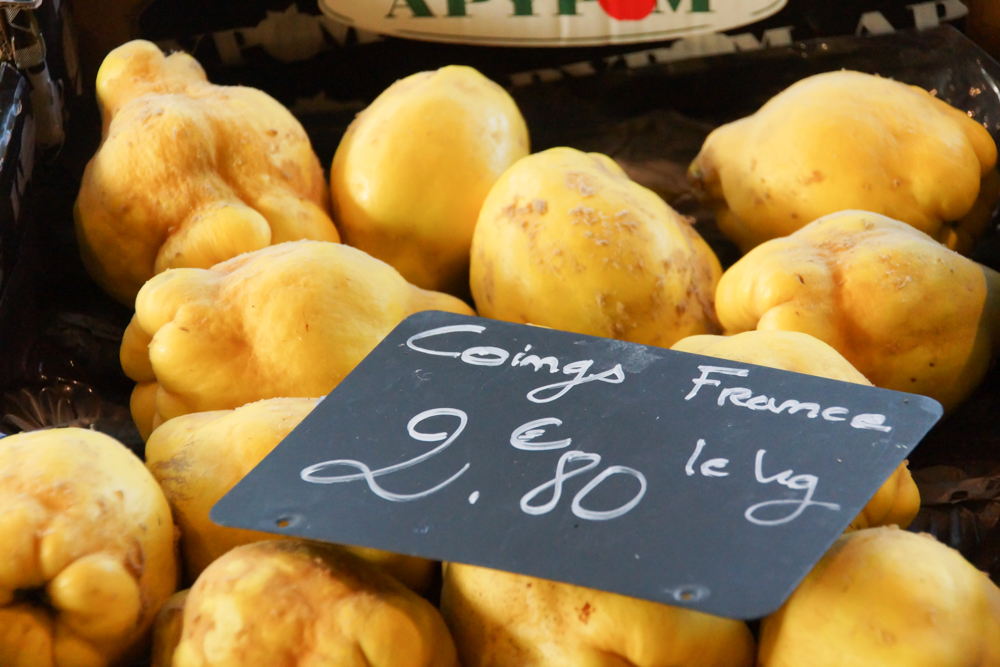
(286, 602)
(87, 552)
(413, 169)
(898, 500)
(289, 320)
(167, 630)
(884, 597)
(198, 458)
(189, 174)
(566, 240)
(847, 140)
(907, 312)
(501, 619)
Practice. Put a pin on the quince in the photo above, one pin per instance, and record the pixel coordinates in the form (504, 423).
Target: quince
(898, 499)
(501, 619)
(883, 597)
(87, 552)
(167, 629)
(289, 320)
(286, 602)
(198, 458)
(566, 240)
(847, 140)
(413, 169)
(189, 174)
(907, 312)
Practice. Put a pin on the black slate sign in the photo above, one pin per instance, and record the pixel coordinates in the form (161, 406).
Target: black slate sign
(678, 478)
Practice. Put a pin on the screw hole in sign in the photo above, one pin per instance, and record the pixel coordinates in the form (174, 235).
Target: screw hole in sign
(628, 10)
(688, 593)
(284, 522)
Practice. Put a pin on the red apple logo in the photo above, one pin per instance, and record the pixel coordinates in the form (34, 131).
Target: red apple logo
(628, 10)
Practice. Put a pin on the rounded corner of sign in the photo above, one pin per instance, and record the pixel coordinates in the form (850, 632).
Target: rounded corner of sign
(213, 514)
(759, 613)
(761, 608)
(932, 406)
(925, 404)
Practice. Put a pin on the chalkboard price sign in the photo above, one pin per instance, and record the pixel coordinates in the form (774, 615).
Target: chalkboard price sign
(678, 478)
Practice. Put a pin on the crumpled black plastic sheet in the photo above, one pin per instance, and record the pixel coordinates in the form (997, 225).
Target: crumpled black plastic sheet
(960, 506)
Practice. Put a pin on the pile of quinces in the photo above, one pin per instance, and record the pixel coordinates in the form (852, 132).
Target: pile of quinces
(852, 196)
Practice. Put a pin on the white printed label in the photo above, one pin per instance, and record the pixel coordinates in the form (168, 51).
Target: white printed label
(548, 22)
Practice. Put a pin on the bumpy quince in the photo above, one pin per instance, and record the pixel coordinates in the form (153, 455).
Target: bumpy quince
(285, 602)
(167, 630)
(907, 312)
(190, 174)
(198, 458)
(413, 169)
(846, 140)
(87, 551)
(500, 619)
(566, 240)
(898, 500)
(883, 597)
(289, 320)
